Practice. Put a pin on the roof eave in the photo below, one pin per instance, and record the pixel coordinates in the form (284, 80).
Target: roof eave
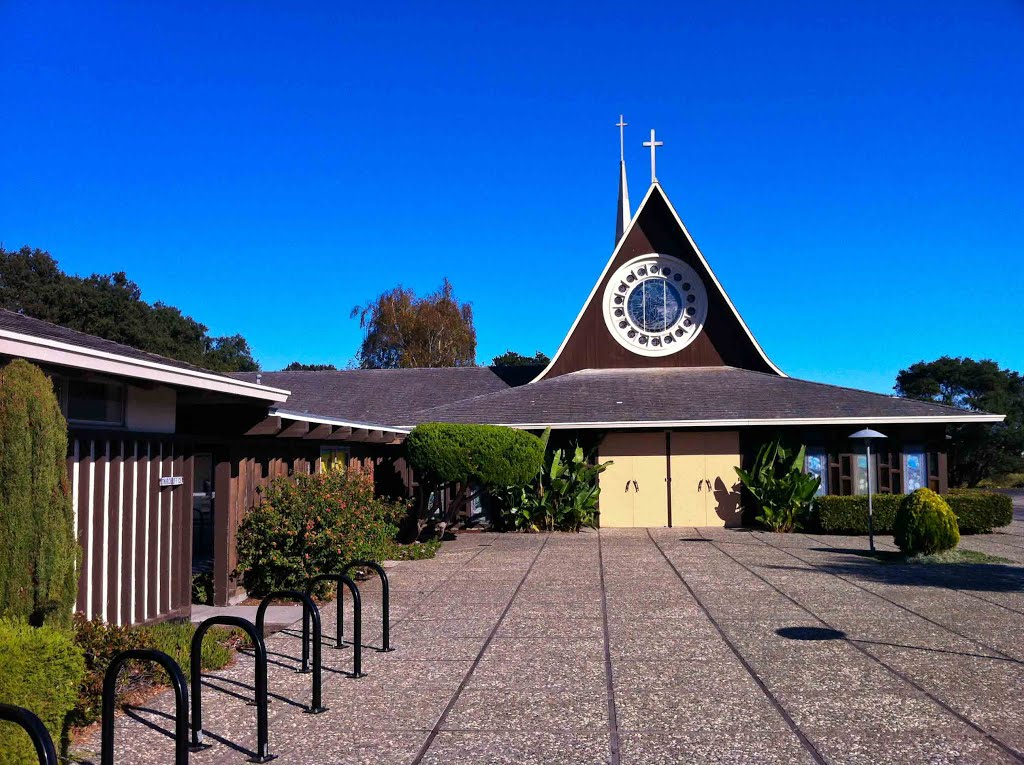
(756, 422)
(55, 352)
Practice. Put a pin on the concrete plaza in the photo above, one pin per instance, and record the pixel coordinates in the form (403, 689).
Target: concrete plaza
(628, 646)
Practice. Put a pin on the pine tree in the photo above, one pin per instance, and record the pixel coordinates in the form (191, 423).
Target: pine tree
(39, 567)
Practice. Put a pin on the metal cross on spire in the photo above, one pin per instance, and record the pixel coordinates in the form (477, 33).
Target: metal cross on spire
(622, 138)
(653, 145)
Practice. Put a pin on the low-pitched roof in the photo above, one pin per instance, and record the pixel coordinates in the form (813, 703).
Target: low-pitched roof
(24, 337)
(391, 396)
(688, 397)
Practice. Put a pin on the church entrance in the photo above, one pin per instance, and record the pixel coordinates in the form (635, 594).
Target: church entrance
(670, 479)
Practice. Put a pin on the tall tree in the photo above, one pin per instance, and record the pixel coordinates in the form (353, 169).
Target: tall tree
(513, 359)
(39, 566)
(111, 306)
(404, 330)
(297, 366)
(975, 451)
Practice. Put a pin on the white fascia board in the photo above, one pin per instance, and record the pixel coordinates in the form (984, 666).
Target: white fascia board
(62, 354)
(318, 420)
(739, 423)
(700, 256)
(593, 291)
(718, 284)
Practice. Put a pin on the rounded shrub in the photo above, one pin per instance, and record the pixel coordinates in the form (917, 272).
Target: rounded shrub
(925, 525)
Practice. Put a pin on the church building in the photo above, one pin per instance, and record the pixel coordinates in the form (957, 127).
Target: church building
(658, 374)
(661, 374)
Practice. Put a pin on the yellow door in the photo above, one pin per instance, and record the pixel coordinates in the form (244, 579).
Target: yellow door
(722, 450)
(616, 500)
(650, 503)
(689, 505)
(633, 487)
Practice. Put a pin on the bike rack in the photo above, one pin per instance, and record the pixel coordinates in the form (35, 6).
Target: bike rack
(357, 617)
(385, 596)
(35, 729)
(180, 702)
(309, 611)
(260, 650)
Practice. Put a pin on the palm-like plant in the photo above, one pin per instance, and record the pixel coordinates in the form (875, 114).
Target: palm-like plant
(781, 488)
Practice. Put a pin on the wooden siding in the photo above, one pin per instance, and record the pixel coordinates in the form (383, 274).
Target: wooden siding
(136, 536)
(723, 340)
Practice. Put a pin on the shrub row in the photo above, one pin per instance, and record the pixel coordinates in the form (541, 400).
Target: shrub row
(977, 512)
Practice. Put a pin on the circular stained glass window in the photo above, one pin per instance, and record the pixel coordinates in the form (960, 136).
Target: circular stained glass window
(654, 305)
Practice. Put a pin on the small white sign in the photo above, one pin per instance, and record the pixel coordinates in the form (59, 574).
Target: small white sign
(172, 480)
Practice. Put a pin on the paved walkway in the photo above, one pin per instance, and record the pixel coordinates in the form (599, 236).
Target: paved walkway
(674, 646)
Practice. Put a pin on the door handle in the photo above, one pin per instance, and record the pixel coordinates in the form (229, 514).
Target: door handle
(636, 486)
(700, 485)
(709, 485)
(627, 487)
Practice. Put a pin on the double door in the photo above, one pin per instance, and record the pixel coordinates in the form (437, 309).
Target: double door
(670, 479)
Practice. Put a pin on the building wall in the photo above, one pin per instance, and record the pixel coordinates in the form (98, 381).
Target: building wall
(135, 535)
(150, 410)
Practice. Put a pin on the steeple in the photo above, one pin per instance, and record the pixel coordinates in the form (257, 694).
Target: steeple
(622, 215)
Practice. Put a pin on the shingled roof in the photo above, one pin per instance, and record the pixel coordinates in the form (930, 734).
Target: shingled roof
(391, 396)
(705, 396)
(40, 341)
(26, 325)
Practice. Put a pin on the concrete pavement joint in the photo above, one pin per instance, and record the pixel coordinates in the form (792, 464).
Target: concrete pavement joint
(613, 723)
(790, 722)
(469, 674)
(897, 673)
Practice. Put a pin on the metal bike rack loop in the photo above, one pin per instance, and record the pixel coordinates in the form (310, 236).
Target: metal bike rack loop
(180, 702)
(309, 612)
(33, 726)
(260, 653)
(385, 596)
(357, 617)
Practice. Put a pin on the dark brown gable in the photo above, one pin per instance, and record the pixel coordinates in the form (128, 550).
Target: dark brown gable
(723, 342)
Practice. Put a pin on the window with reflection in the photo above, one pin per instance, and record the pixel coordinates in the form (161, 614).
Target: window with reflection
(654, 305)
(915, 468)
(816, 464)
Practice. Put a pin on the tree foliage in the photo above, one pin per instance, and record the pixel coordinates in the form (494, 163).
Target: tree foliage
(514, 359)
(924, 524)
(474, 458)
(404, 330)
(779, 485)
(39, 567)
(976, 451)
(111, 306)
(297, 366)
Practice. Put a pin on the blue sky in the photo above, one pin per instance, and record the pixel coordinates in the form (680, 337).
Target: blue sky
(852, 170)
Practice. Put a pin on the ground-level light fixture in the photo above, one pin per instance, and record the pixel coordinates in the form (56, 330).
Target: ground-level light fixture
(867, 435)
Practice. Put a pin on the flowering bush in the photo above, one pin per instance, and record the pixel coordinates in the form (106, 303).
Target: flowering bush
(314, 524)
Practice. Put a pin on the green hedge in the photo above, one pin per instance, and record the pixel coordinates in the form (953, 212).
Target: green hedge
(977, 512)
(40, 669)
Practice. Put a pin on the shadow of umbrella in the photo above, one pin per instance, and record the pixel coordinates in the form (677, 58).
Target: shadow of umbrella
(810, 633)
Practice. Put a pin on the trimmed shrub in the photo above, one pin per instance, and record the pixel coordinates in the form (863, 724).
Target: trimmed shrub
(41, 669)
(977, 512)
(475, 458)
(314, 524)
(488, 455)
(925, 525)
(848, 514)
(39, 567)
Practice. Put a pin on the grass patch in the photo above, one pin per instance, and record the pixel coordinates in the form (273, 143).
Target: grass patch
(958, 555)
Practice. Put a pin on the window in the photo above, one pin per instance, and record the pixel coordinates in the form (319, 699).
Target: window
(860, 474)
(333, 458)
(816, 463)
(94, 402)
(915, 468)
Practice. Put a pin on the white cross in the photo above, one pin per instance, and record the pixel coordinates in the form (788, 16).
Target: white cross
(622, 138)
(653, 145)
